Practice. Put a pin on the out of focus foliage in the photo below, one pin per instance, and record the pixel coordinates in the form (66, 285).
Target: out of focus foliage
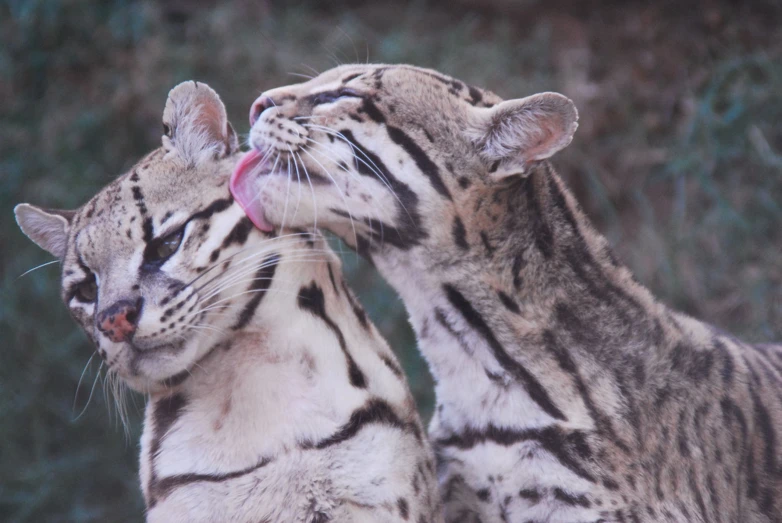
(678, 159)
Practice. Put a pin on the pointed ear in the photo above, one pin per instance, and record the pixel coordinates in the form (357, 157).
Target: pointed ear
(48, 228)
(195, 122)
(514, 134)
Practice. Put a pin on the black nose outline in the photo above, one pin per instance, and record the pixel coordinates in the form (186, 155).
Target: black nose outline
(119, 321)
(259, 106)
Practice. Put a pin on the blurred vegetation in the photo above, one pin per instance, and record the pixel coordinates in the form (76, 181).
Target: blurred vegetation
(678, 159)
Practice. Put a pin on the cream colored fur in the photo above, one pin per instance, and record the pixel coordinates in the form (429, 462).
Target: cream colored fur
(243, 344)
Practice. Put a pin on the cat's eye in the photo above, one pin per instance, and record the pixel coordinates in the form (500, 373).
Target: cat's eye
(332, 96)
(166, 246)
(87, 290)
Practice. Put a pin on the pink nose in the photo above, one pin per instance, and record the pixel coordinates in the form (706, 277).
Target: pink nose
(259, 106)
(119, 321)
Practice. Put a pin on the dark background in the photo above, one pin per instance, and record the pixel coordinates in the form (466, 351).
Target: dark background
(678, 159)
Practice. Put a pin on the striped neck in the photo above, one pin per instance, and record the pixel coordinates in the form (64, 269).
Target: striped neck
(539, 288)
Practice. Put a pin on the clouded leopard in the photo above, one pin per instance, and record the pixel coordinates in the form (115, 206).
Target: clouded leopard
(565, 391)
(271, 396)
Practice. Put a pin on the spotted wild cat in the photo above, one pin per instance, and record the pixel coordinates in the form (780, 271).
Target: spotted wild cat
(271, 396)
(565, 391)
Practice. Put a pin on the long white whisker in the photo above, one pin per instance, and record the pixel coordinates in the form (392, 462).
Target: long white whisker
(78, 385)
(317, 73)
(374, 168)
(240, 279)
(25, 273)
(301, 258)
(325, 152)
(287, 196)
(265, 249)
(89, 399)
(208, 328)
(342, 195)
(312, 190)
(307, 76)
(262, 246)
(353, 147)
(351, 43)
(240, 272)
(251, 291)
(298, 181)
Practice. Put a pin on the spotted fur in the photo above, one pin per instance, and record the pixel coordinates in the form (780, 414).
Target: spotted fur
(271, 396)
(565, 391)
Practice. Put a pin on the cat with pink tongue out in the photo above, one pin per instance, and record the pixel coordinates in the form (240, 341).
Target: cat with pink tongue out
(565, 391)
(247, 194)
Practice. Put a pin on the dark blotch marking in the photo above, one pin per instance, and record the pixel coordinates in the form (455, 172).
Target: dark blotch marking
(149, 233)
(312, 300)
(375, 411)
(459, 234)
(486, 244)
(422, 160)
(695, 364)
(567, 364)
(610, 484)
(165, 486)
(371, 110)
(167, 412)
(541, 231)
(529, 494)
(392, 366)
(214, 207)
(260, 284)
(239, 233)
(537, 393)
(404, 509)
(475, 95)
(361, 315)
(518, 265)
(333, 281)
(350, 77)
(508, 302)
(570, 499)
(569, 447)
(408, 231)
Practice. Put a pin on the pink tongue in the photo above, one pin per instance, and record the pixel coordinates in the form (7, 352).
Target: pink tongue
(244, 187)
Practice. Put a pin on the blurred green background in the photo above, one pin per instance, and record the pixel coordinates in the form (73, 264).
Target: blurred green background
(678, 159)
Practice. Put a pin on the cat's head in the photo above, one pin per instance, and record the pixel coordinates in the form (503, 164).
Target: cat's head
(392, 154)
(156, 267)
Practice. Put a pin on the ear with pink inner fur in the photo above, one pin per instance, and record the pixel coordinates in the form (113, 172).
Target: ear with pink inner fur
(514, 134)
(195, 123)
(48, 228)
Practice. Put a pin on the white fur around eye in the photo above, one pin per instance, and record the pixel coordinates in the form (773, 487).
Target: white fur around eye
(75, 305)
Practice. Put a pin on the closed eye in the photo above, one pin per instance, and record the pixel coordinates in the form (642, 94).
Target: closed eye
(328, 97)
